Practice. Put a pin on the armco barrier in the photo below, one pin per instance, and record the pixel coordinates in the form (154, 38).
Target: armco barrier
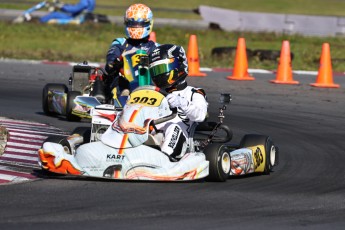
(231, 20)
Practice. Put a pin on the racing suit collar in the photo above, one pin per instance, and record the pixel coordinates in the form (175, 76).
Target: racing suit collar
(180, 86)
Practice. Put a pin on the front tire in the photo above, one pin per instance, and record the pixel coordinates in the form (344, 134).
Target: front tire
(219, 159)
(62, 141)
(51, 87)
(71, 95)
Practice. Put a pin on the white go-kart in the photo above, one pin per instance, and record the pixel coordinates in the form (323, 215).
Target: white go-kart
(120, 145)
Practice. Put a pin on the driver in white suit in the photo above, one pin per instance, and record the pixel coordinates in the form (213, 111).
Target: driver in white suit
(168, 70)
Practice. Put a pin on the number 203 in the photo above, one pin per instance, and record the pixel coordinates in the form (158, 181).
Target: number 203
(144, 100)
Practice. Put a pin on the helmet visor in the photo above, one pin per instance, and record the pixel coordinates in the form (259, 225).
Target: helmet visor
(136, 24)
(162, 67)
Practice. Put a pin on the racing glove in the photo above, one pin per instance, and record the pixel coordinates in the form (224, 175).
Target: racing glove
(114, 67)
(177, 101)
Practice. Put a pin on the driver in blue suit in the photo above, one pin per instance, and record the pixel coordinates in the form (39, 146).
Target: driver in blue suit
(138, 22)
(69, 11)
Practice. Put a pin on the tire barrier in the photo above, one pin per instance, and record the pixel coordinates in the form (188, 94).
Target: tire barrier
(228, 51)
(261, 54)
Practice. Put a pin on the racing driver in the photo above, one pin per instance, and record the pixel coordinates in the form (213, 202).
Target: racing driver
(138, 22)
(169, 69)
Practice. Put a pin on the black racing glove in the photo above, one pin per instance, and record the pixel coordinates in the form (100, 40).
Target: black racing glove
(113, 68)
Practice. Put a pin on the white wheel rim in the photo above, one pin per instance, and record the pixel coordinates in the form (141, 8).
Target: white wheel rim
(225, 162)
(273, 155)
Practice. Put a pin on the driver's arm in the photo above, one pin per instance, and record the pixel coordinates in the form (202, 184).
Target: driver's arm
(194, 105)
(197, 107)
(114, 59)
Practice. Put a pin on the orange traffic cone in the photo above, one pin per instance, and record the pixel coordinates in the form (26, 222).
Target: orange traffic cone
(240, 71)
(193, 58)
(152, 36)
(284, 72)
(325, 74)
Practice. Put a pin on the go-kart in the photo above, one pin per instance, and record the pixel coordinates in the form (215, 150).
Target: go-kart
(29, 14)
(86, 81)
(87, 87)
(128, 150)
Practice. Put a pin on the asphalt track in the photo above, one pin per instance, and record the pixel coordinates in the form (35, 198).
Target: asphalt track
(306, 190)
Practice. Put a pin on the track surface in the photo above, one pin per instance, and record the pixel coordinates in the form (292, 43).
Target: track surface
(306, 191)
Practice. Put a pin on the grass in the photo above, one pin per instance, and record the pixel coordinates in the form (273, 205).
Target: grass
(309, 7)
(90, 42)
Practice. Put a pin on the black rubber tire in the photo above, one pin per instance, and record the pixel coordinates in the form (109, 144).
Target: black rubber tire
(71, 95)
(49, 87)
(270, 149)
(222, 52)
(85, 132)
(60, 140)
(271, 55)
(215, 152)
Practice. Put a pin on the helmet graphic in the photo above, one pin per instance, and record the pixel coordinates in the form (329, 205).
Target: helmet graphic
(138, 21)
(168, 65)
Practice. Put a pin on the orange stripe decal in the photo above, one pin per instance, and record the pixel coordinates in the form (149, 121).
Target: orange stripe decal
(125, 137)
(123, 143)
(135, 112)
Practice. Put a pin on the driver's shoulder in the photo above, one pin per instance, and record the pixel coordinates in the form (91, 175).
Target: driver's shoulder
(197, 90)
(118, 42)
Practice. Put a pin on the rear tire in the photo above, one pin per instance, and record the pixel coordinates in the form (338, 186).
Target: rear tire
(271, 151)
(219, 159)
(71, 95)
(50, 87)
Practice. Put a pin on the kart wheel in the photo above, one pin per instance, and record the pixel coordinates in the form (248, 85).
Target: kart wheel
(62, 141)
(71, 95)
(271, 151)
(272, 160)
(218, 156)
(46, 89)
(85, 132)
